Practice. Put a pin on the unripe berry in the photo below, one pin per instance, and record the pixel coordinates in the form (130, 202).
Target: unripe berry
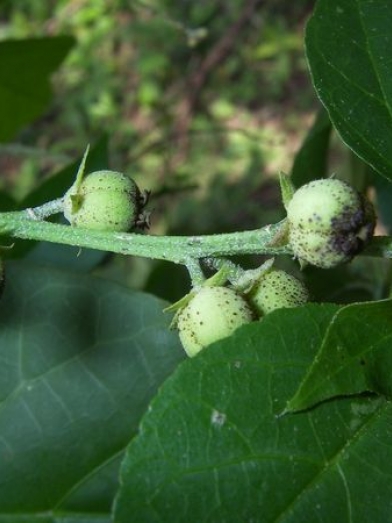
(105, 201)
(212, 314)
(329, 222)
(277, 289)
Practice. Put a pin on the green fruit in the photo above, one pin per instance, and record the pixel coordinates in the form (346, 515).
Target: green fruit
(329, 222)
(105, 201)
(212, 314)
(277, 289)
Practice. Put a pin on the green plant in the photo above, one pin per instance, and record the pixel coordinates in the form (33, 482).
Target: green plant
(280, 421)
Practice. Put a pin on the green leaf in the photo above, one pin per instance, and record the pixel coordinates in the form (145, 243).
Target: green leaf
(64, 256)
(211, 448)
(81, 358)
(168, 281)
(384, 202)
(25, 68)
(349, 48)
(366, 278)
(355, 356)
(311, 161)
(287, 188)
(7, 203)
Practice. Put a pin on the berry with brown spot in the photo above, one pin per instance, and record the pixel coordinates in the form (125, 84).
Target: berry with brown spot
(329, 222)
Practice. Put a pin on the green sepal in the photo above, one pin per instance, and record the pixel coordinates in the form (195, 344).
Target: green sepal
(180, 304)
(77, 201)
(81, 169)
(74, 189)
(287, 188)
(217, 280)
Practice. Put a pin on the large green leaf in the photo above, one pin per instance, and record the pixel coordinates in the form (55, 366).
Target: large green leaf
(80, 360)
(25, 67)
(211, 447)
(349, 47)
(355, 356)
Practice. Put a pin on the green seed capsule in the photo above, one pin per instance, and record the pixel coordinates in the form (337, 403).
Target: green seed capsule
(329, 222)
(212, 314)
(277, 289)
(105, 201)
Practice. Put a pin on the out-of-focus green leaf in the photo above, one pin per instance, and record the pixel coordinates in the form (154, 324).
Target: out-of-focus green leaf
(311, 161)
(168, 281)
(355, 356)
(349, 47)
(65, 257)
(25, 68)
(80, 360)
(7, 203)
(384, 202)
(363, 279)
(211, 448)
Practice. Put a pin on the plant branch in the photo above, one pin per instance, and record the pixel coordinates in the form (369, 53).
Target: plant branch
(178, 249)
(45, 210)
(186, 250)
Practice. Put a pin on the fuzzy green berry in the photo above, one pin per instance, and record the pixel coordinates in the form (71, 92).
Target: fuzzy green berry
(277, 289)
(329, 222)
(105, 201)
(212, 314)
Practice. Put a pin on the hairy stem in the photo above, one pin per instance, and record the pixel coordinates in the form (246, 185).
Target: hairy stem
(186, 250)
(45, 210)
(178, 249)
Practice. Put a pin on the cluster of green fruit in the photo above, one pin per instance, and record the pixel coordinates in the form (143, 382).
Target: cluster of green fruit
(328, 223)
(215, 312)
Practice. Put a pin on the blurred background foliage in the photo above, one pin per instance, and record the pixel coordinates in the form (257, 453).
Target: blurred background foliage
(203, 102)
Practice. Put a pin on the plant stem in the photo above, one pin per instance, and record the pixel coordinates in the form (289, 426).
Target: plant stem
(178, 249)
(45, 210)
(195, 272)
(28, 224)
